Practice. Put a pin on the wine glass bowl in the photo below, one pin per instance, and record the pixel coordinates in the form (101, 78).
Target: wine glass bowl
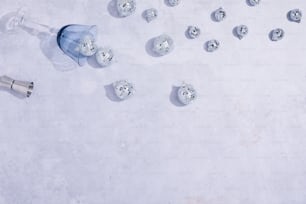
(78, 41)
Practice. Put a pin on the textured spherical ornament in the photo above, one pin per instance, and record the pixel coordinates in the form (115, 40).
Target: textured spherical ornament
(174, 2)
(242, 31)
(163, 45)
(219, 14)
(126, 7)
(212, 45)
(150, 14)
(254, 2)
(87, 46)
(104, 56)
(193, 32)
(186, 94)
(295, 15)
(123, 89)
(277, 34)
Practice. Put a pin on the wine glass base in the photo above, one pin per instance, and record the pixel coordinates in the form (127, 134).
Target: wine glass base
(16, 20)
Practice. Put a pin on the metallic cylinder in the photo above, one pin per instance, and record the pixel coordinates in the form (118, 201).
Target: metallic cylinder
(23, 88)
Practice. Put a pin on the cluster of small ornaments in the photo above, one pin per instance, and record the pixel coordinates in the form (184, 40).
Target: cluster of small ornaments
(164, 44)
(88, 48)
(241, 31)
(161, 46)
(124, 90)
(294, 15)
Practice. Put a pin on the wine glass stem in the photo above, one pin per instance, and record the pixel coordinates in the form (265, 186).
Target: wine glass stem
(37, 27)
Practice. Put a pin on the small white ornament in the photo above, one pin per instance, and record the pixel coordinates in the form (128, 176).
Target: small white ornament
(126, 7)
(87, 46)
(219, 14)
(242, 31)
(254, 2)
(150, 14)
(186, 94)
(212, 45)
(277, 34)
(123, 89)
(174, 2)
(295, 15)
(193, 32)
(163, 45)
(104, 57)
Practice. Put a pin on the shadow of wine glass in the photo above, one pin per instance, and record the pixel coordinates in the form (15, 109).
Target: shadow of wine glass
(51, 50)
(48, 42)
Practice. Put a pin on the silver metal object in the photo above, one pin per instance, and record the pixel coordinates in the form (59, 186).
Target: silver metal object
(193, 32)
(150, 14)
(126, 7)
(219, 14)
(277, 34)
(123, 89)
(163, 45)
(254, 2)
(212, 45)
(295, 15)
(186, 94)
(104, 56)
(174, 2)
(241, 31)
(22, 88)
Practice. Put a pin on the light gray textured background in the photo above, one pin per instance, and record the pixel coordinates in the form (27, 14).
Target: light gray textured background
(242, 142)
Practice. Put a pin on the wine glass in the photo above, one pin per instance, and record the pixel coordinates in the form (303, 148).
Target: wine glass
(14, 21)
(75, 41)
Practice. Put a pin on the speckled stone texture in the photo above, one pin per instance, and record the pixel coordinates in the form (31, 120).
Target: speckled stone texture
(242, 141)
